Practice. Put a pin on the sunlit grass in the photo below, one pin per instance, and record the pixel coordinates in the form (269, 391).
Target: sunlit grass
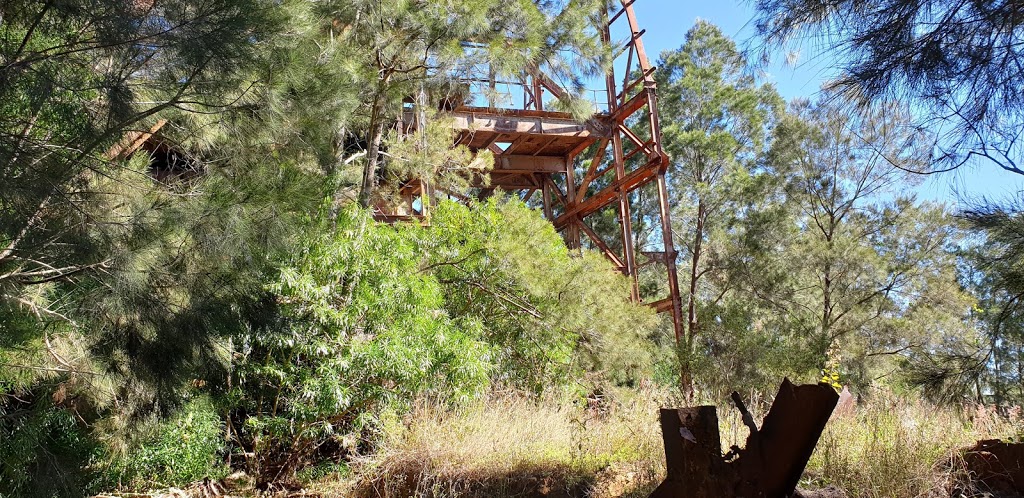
(894, 447)
(508, 443)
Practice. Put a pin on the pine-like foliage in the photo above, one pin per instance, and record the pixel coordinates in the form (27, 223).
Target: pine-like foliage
(397, 49)
(74, 78)
(870, 273)
(958, 62)
(986, 366)
(715, 121)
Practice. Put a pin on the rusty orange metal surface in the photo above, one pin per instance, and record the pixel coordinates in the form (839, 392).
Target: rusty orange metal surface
(770, 464)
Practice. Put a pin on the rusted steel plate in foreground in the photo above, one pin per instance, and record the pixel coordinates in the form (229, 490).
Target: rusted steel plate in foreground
(693, 454)
(774, 458)
(768, 467)
(997, 466)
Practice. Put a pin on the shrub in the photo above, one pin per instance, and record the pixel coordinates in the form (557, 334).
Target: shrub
(43, 450)
(550, 315)
(371, 317)
(361, 331)
(182, 449)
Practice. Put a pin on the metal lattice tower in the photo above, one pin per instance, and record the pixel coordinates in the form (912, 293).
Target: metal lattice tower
(542, 151)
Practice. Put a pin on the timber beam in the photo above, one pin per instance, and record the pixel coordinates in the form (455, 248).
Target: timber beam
(534, 123)
(528, 163)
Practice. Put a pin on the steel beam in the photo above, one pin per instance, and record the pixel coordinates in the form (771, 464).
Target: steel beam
(544, 143)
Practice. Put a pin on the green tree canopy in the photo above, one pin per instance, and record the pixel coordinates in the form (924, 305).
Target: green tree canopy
(956, 62)
(715, 123)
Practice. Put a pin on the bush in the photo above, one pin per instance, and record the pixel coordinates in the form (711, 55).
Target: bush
(371, 317)
(361, 331)
(187, 447)
(43, 450)
(551, 316)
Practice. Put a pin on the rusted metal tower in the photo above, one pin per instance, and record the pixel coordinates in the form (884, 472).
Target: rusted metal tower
(579, 169)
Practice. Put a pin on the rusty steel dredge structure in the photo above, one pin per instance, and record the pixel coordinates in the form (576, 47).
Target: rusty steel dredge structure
(537, 150)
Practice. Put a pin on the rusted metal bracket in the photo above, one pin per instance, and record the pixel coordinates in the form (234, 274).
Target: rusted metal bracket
(768, 467)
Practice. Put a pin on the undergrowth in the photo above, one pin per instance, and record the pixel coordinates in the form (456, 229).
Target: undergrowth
(508, 444)
(511, 445)
(890, 446)
(895, 447)
(186, 448)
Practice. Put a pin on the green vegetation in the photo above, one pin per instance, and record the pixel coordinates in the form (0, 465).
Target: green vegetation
(505, 444)
(954, 62)
(895, 446)
(43, 451)
(183, 449)
(802, 245)
(231, 312)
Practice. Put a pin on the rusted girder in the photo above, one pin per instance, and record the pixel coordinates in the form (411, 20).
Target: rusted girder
(768, 467)
(537, 148)
(602, 198)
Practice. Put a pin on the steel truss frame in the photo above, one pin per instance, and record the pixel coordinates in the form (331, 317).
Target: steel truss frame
(537, 150)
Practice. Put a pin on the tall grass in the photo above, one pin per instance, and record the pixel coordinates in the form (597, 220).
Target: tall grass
(509, 445)
(899, 447)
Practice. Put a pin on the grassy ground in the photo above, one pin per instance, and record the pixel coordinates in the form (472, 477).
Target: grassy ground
(508, 446)
(893, 447)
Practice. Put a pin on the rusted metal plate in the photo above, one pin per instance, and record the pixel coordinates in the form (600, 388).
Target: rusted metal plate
(997, 466)
(768, 467)
(775, 456)
(693, 455)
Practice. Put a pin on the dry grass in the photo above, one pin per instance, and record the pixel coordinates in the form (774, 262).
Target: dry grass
(893, 447)
(510, 446)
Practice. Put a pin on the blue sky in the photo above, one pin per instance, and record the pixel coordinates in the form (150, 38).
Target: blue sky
(667, 22)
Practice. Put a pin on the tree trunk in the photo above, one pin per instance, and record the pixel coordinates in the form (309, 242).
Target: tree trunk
(686, 348)
(826, 303)
(370, 169)
(826, 289)
(375, 138)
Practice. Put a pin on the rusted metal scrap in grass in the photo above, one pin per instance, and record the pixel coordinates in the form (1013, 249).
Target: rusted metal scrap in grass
(995, 466)
(770, 464)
